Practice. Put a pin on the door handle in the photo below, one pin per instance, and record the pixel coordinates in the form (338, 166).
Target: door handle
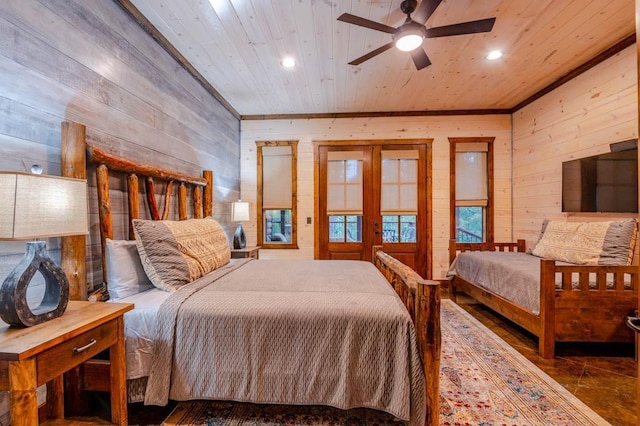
(376, 231)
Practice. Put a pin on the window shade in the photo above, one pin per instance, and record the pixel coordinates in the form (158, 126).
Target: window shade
(399, 182)
(276, 177)
(344, 182)
(471, 176)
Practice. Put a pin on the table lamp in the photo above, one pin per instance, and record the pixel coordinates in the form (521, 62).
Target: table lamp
(239, 213)
(38, 206)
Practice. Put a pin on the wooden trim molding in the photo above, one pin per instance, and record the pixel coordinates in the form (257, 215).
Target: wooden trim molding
(489, 234)
(293, 245)
(374, 114)
(166, 45)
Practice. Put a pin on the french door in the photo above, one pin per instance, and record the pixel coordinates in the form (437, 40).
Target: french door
(374, 193)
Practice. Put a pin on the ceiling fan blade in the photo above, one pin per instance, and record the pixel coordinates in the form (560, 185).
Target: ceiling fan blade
(471, 27)
(356, 20)
(425, 10)
(371, 54)
(420, 58)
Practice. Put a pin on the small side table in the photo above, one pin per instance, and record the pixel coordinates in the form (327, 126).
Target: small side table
(30, 357)
(245, 253)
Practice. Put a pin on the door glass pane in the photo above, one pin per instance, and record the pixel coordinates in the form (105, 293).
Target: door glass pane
(399, 182)
(354, 229)
(408, 170)
(277, 226)
(336, 229)
(390, 232)
(408, 229)
(344, 185)
(470, 224)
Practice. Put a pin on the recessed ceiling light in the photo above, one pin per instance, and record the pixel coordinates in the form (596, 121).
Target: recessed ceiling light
(494, 54)
(288, 62)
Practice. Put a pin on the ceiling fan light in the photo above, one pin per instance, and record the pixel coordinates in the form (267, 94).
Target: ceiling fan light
(409, 41)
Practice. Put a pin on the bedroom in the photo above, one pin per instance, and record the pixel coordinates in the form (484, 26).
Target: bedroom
(91, 63)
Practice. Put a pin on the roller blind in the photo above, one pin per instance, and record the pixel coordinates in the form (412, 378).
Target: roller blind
(344, 182)
(276, 177)
(399, 182)
(471, 174)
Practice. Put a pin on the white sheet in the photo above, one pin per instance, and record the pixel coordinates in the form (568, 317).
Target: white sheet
(139, 329)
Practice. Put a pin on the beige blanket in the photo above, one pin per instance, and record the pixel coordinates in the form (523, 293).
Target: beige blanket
(291, 332)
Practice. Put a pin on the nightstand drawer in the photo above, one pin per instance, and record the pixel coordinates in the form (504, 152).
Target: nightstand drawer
(72, 353)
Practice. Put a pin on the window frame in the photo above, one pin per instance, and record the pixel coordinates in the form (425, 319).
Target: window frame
(489, 212)
(294, 200)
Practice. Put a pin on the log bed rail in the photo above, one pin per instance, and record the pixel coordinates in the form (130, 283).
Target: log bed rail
(422, 299)
(589, 305)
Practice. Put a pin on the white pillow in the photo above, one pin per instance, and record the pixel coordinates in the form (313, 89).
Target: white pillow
(125, 274)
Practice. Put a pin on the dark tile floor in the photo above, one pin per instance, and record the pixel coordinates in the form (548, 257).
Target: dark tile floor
(601, 376)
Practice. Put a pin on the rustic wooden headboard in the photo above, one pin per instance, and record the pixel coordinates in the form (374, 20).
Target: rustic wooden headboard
(76, 153)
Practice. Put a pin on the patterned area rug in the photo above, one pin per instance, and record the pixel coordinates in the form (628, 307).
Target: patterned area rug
(483, 382)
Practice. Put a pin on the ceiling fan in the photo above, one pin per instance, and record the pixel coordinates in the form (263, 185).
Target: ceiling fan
(408, 37)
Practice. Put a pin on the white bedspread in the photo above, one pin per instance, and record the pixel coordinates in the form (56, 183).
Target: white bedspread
(294, 332)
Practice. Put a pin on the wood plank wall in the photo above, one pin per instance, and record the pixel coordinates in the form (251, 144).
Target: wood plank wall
(579, 119)
(88, 61)
(439, 128)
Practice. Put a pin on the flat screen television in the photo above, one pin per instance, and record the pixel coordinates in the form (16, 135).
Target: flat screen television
(601, 183)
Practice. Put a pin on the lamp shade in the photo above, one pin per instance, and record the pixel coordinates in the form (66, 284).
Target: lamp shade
(239, 211)
(41, 206)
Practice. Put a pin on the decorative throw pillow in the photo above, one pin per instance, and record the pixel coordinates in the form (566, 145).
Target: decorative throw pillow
(174, 253)
(588, 243)
(125, 275)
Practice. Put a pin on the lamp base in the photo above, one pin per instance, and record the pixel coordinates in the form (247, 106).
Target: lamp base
(239, 239)
(14, 308)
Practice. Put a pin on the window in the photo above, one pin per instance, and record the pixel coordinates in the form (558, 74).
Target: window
(277, 186)
(399, 198)
(344, 196)
(472, 189)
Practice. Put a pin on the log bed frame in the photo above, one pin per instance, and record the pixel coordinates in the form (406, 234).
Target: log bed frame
(421, 297)
(567, 314)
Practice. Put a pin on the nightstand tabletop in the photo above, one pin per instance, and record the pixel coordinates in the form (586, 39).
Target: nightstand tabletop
(21, 343)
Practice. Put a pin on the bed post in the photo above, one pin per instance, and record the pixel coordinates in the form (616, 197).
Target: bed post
(452, 255)
(73, 162)
(428, 329)
(422, 299)
(208, 193)
(547, 335)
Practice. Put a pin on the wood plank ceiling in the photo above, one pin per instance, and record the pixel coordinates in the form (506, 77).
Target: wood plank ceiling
(237, 46)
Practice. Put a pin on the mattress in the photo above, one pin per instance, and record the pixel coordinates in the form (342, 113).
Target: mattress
(512, 275)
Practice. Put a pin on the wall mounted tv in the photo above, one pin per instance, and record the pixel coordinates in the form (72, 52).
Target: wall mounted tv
(601, 183)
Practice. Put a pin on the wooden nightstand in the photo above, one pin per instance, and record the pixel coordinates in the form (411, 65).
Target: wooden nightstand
(30, 357)
(244, 253)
